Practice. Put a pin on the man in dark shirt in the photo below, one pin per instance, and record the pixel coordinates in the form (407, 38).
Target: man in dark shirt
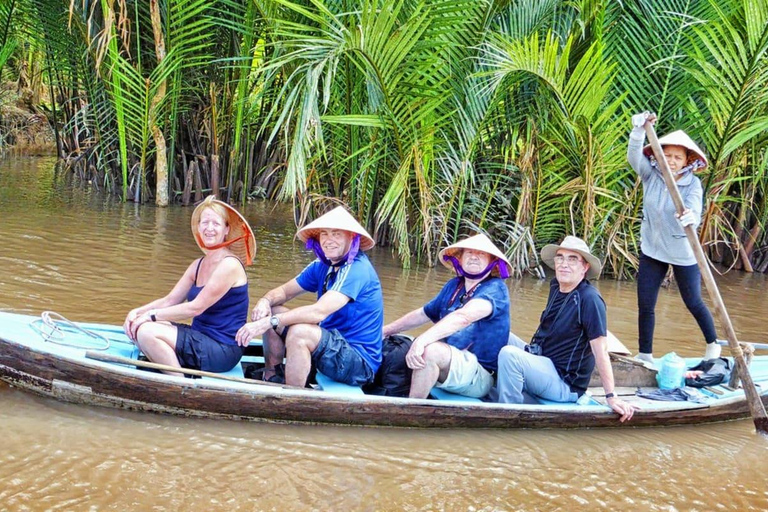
(471, 323)
(570, 340)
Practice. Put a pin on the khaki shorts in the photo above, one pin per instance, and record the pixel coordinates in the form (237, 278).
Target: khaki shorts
(466, 376)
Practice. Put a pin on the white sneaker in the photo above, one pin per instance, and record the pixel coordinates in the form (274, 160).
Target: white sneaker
(713, 351)
(646, 359)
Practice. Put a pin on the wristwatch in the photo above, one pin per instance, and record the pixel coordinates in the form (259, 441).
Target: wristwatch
(274, 322)
(153, 315)
(609, 395)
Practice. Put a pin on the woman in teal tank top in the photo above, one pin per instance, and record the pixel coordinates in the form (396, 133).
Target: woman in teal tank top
(213, 292)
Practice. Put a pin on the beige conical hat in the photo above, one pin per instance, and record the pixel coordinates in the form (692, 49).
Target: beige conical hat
(244, 246)
(679, 138)
(575, 244)
(338, 218)
(478, 242)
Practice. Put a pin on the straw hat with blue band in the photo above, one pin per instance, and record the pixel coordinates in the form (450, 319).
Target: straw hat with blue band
(239, 240)
(575, 244)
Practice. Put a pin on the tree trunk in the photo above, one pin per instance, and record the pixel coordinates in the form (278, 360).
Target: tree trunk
(215, 175)
(161, 157)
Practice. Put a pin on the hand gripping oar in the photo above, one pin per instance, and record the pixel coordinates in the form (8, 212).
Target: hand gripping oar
(756, 407)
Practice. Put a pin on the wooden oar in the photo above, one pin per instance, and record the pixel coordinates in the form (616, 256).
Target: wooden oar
(756, 407)
(109, 358)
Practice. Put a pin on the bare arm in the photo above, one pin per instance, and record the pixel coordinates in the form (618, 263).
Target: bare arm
(409, 321)
(474, 310)
(329, 303)
(276, 297)
(603, 363)
(177, 295)
(172, 307)
(226, 275)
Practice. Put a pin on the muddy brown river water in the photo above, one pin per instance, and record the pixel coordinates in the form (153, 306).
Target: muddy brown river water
(92, 258)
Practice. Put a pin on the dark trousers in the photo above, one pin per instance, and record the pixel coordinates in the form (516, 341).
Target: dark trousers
(649, 279)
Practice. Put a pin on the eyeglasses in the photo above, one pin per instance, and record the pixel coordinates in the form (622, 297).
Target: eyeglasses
(571, 259)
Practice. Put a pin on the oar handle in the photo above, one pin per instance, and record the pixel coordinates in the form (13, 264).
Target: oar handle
(110, 358)
(758, 346)
(753, 398)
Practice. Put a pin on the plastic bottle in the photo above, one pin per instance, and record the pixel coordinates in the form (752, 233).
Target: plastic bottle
(672, 372)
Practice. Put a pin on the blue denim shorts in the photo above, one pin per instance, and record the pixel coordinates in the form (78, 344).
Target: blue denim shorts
(199, 351)
(335, 358)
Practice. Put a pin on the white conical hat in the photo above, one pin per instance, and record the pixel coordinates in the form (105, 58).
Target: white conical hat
(477, 243)
(338, 218)
(575, 244)
(679, 138)
(245, 245)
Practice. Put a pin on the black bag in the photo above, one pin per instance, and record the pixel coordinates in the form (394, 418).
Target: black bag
(394, 376)
(715, 372)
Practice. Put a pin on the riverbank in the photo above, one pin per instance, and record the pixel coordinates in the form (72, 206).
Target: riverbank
(24, 126)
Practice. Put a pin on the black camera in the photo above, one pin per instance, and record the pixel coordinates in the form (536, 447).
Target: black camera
(533, 349)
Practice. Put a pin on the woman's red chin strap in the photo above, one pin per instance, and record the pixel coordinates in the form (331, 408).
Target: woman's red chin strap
(245, 236)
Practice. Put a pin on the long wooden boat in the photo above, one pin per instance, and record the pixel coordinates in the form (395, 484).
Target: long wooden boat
(60, 367)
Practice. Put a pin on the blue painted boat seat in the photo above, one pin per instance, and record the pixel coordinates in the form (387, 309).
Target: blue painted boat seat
(542, 401)
(440, 394)
(124, 350)
(331, 386)
(237, 371)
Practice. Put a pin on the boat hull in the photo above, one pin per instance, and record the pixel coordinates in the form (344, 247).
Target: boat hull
(75, 379)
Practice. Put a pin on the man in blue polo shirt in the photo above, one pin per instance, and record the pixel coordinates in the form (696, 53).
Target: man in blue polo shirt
(570, 340)
(471, 322)
(340, 333)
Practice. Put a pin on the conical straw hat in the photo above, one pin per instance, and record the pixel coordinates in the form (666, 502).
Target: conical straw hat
(338, 218)
(478, 242)
(679, 138)
(245, 246)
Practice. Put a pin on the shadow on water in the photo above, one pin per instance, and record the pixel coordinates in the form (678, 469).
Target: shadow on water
(93, 258)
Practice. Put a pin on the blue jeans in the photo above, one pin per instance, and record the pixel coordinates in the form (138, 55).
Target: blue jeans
(649, 278)
(522, 372)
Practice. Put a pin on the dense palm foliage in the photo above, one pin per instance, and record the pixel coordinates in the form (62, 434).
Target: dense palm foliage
(428, 118)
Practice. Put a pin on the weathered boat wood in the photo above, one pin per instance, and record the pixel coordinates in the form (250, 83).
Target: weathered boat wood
(64, 373)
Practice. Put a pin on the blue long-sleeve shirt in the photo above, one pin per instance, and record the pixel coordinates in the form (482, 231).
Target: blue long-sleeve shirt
(661, 236)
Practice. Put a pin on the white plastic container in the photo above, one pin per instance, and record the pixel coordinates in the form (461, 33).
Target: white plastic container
(672, 372)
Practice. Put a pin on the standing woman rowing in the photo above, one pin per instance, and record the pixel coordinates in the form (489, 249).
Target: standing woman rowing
(662, 234)
(213, 292)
